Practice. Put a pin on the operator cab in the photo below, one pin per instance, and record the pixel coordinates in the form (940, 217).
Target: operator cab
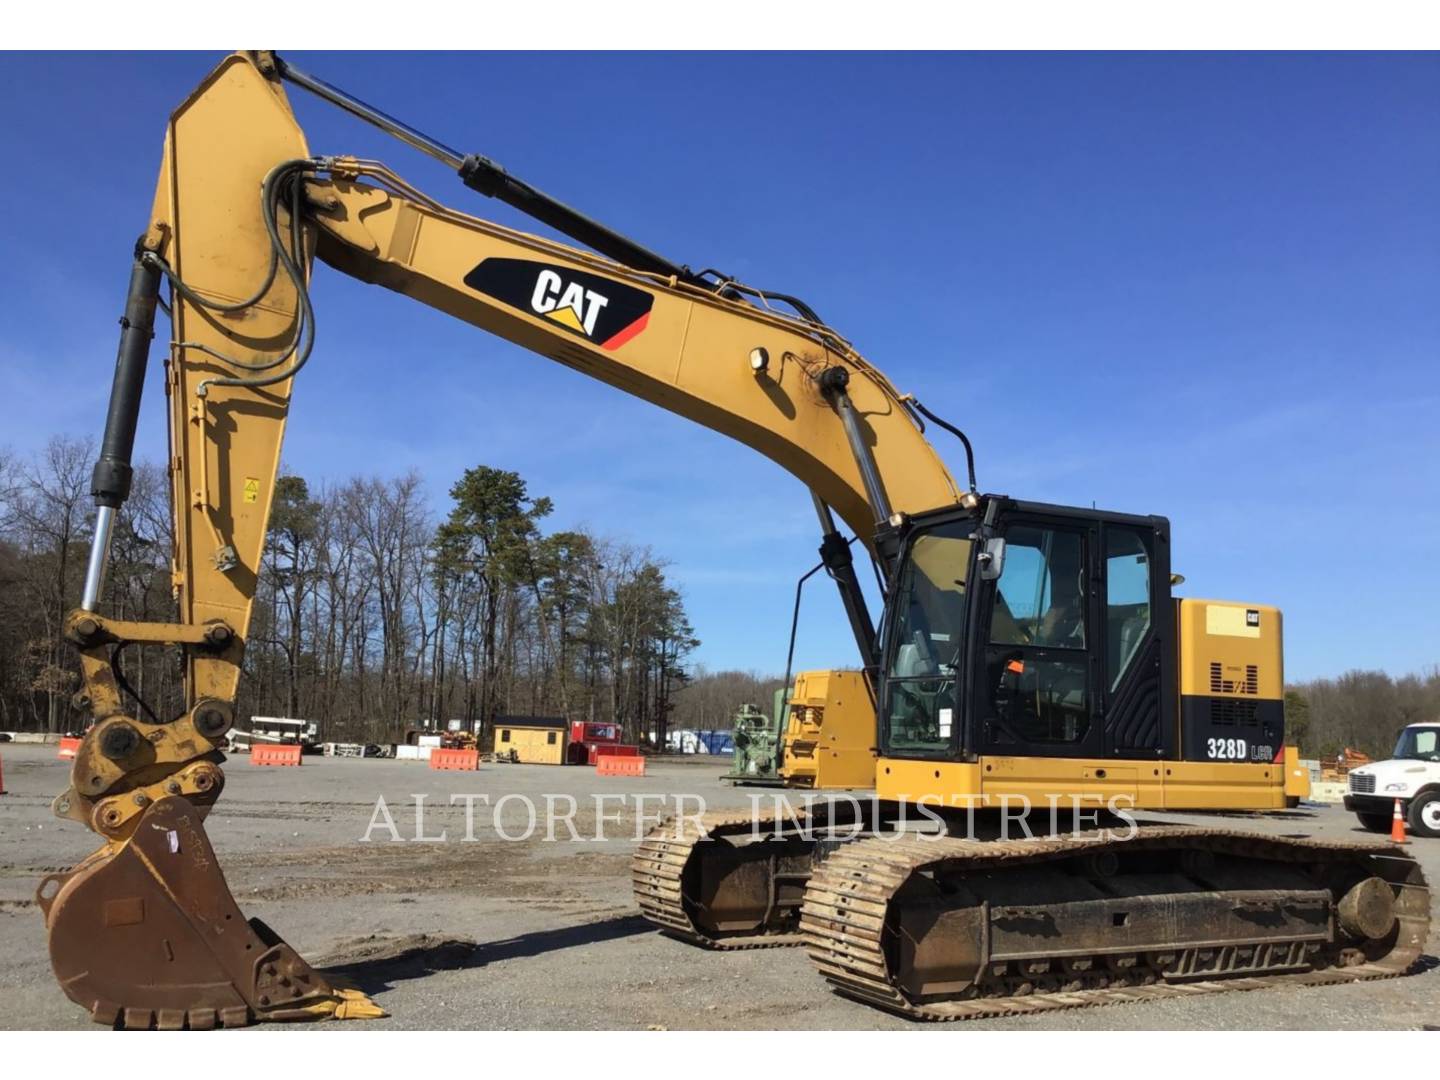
(1025, 629)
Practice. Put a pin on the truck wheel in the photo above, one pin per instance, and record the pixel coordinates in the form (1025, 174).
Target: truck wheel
(1375, 822)
(1425, 814)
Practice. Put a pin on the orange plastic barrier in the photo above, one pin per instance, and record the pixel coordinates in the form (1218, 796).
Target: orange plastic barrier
(619, 765)
(68, 748)
(463, 760)
(270, 754)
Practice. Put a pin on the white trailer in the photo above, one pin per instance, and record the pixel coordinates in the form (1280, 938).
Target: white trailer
(273, 731)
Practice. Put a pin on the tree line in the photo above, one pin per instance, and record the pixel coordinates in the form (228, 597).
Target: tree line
(373, 615)
(1361, 710)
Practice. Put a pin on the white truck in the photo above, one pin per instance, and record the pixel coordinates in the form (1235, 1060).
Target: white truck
(274, 731)
(1411, 774)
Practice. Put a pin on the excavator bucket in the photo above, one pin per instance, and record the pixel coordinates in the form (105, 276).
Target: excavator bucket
(145, 934)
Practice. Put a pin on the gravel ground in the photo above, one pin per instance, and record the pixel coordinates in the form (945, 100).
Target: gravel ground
(539, 934)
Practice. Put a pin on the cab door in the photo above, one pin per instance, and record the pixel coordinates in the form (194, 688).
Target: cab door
(1136, 639)
(1036, 678)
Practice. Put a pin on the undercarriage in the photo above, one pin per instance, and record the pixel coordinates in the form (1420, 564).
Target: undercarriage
(945, 927)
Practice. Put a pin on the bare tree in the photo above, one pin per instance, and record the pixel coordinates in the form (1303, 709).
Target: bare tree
(53, 513)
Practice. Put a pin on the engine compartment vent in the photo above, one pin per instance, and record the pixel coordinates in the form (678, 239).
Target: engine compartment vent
(1248, 683)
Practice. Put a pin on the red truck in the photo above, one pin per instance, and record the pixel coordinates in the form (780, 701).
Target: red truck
(590, 741)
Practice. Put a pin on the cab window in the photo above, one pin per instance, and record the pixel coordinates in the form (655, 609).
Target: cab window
(1040, 598)
(1127, 600)
(1418, 744)
(1036, 663)
(927, 640)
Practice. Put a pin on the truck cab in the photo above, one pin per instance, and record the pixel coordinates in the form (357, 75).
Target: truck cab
(1411, 774)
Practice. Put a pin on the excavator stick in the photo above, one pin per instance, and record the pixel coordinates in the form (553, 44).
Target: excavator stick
(145, 933)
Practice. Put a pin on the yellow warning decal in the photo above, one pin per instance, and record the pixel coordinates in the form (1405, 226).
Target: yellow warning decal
(252, 489)
(1230, 621)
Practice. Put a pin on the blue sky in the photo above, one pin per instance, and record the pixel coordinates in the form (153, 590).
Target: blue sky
(1199, 286)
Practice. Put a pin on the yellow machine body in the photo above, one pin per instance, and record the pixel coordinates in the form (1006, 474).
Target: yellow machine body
(830, 736)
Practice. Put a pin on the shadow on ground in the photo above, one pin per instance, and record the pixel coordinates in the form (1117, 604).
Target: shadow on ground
(374, 964)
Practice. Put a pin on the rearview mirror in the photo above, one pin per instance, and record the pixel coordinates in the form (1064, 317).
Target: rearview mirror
(992, 558)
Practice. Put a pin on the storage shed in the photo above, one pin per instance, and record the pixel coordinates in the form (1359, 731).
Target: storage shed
(540, 740)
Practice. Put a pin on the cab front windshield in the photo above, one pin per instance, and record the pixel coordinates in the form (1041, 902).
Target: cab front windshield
(1419, 744)
(927, 640)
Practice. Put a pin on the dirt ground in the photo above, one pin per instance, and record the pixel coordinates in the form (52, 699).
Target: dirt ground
(487, 933)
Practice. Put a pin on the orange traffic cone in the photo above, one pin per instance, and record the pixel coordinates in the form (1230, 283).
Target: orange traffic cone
(1397, 825)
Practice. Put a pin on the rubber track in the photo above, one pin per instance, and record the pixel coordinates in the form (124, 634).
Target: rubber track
(658, 865)
(846, 900)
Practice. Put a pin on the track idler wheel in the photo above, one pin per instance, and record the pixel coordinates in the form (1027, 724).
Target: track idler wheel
(144, 933)
(1367, 910)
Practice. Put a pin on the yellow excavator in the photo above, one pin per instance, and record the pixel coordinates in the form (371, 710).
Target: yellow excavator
(1026, 652)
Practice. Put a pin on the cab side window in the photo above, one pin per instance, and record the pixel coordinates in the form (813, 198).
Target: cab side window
(1127, 600)
(1040, 599)
(1036, 667)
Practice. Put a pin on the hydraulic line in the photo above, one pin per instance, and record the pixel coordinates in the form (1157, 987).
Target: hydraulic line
(489, 178)
(914, 403)
(795, 622)
(267, 198)
(304, 340)
(281, 255)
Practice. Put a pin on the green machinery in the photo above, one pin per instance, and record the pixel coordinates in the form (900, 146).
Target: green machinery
(760, 743)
